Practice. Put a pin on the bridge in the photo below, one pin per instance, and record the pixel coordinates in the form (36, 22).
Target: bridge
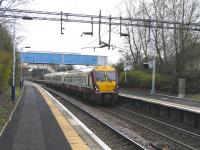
(62, 58)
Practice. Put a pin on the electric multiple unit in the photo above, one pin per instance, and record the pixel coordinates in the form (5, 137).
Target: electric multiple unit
(99, 83)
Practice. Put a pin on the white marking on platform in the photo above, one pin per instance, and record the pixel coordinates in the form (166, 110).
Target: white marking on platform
(99, 141)
(168, 104)
(73, 122)
(164, 98)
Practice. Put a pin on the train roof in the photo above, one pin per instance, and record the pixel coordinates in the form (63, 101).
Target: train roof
(104, 68)
(55, 73)
(81, 70)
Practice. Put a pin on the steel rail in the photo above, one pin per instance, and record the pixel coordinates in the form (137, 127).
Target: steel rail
(104, 124)
(166, 124)
(153, 131)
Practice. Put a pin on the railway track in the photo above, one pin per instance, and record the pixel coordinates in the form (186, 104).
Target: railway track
(185, 139)
(112, 137)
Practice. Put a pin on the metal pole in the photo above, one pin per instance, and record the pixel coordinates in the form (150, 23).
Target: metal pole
(43, 72)
(35, 63)
(100, 27)
(21, 67)
(13, 81)
(125, 69)
(153, 91)
(125, 79)
(21, 74)
(54, 62)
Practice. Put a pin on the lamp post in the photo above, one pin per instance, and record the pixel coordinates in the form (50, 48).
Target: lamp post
(21, 67)
(14, 58)
(13, 69)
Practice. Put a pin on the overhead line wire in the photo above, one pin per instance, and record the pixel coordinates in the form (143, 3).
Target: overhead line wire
(96, 16)
(111, 28)
(116, 26)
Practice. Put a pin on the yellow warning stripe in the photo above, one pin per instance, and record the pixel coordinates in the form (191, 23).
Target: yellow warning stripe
(70, 134)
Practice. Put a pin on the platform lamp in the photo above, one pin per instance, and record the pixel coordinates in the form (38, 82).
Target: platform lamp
(21, 67)
(14, 57)
(13, 68)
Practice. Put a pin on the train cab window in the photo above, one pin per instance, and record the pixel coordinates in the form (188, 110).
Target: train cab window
(100, 75)
(111, 76)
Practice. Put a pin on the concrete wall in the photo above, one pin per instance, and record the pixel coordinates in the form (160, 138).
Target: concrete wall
(186, 117)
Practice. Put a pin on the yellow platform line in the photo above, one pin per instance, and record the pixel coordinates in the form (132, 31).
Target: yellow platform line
(75, 141)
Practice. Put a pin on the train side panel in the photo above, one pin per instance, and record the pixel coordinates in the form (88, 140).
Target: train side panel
(87, 84)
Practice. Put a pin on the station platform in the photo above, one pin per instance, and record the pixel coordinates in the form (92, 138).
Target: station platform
(39, 124)
(161, 99)
(182, 110)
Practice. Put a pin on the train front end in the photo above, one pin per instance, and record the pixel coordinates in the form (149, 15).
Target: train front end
(106, 84)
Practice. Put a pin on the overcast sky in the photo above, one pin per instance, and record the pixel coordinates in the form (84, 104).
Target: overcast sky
(45, 35)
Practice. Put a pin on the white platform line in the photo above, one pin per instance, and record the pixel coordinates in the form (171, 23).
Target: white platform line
(168, 104)
(176, 97)
(99, 141)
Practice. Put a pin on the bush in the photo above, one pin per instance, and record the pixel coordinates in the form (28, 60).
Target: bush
(164, 83)
(192, 82)
(5, 70)
(143, 80)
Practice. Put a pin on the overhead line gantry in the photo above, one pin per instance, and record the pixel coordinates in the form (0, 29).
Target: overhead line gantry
(99, 20)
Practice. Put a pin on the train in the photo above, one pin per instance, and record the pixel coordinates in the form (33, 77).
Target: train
(97, 83)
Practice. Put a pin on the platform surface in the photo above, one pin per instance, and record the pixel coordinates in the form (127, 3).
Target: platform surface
(34, 126)
(166, 100)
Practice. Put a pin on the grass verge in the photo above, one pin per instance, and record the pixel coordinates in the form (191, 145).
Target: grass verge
(6, 106)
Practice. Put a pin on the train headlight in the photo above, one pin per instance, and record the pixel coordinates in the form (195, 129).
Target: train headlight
(116, 87)
(96, 88)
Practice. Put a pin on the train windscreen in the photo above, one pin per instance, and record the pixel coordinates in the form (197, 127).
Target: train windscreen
(100, 75)
(111, 76)
(105, 76)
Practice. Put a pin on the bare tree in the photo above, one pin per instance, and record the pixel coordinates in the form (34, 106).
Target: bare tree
(138, 39)
(167, 45)
(10, 4)
(184, 11)
(134, 48)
